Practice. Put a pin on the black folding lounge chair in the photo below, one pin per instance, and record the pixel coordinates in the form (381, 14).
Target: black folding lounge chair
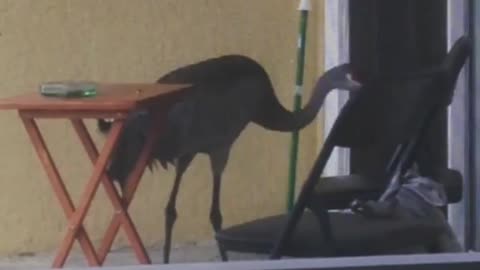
(319, 233)
(337, 192)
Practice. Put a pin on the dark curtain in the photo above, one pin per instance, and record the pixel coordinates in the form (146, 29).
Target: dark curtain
(389, 37)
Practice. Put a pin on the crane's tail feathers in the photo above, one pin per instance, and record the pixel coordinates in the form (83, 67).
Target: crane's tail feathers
(164, 164)
(153, 164)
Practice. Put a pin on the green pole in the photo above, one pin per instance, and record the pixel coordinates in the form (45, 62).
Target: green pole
(304, 7)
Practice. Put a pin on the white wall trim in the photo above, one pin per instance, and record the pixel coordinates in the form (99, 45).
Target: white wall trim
(457, 25)
(336, 52)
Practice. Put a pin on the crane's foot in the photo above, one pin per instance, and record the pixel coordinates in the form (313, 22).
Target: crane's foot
(170, 217)
(216, 220)
(223, 253)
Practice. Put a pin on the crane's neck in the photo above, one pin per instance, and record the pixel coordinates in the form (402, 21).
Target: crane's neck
(320, 91)
(274, 116)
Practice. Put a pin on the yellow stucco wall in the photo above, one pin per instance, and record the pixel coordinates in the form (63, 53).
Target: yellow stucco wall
(125, 40)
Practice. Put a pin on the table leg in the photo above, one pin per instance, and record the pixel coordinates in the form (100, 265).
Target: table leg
(120, 211)
(132, 184)
(59, 189)
(92, 185)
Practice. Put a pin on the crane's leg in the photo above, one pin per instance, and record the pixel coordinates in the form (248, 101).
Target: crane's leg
(218, 160)
(170, 211)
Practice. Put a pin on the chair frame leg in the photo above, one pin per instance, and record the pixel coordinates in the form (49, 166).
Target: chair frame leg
(302, 201)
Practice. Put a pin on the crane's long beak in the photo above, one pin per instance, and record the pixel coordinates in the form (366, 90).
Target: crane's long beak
(354, 84)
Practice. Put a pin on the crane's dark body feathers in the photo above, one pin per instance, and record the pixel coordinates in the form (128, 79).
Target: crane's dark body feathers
(228, 92)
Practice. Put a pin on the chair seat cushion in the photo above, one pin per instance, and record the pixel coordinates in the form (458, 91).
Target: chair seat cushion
(354, 235)
(338, 192)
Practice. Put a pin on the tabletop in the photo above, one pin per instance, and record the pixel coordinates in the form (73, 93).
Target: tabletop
(110, 97)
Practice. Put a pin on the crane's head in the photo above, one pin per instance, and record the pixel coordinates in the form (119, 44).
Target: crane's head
(341, 77)
(129, 145)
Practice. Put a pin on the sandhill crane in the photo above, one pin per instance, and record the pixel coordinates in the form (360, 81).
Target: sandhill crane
(228, 92)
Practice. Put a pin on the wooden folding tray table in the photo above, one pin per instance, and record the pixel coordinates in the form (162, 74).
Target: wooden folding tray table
(114, 101)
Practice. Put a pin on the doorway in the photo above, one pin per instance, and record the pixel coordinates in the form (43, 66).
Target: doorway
(388, 36)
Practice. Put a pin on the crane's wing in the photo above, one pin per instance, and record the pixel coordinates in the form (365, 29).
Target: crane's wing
(213, 116)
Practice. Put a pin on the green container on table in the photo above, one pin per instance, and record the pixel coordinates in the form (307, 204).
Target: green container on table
(69, 89)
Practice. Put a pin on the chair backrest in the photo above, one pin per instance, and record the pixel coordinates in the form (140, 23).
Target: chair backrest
(396, 112)
(375, 117)
(455, 60)
(372, 116)
(448, 71)
(405, 155)
(384, 112)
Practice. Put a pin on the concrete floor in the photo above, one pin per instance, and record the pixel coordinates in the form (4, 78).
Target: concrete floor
(186, 253)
